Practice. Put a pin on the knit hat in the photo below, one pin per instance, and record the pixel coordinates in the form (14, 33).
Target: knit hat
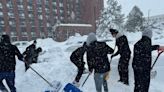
(147, 32)
(113, 31)
(91, 38)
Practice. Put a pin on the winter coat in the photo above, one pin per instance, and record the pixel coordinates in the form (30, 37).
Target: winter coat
(7, 57)
(28, 54)
(77, 56)
(97, 57)
(142, 53)
(123, 46)
(36, 54)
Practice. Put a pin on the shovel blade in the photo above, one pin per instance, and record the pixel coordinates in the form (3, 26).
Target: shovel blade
(153, 74)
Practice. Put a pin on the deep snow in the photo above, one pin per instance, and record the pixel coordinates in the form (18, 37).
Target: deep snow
(54, 64)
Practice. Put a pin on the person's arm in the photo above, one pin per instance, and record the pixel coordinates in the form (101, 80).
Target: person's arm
(109, 49)
(119, 46)
(19, 55)
(155, 47)
(90, 62)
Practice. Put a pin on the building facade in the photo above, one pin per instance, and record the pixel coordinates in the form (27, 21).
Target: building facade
(157, 18)
(31, 19)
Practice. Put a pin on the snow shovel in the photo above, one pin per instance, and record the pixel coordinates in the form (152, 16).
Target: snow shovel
(154, 73)
(54, 86)
(72, 88)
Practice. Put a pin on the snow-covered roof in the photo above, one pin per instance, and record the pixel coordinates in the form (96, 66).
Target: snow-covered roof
(79, 25)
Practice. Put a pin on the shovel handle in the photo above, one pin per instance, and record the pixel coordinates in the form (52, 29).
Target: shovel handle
(159, 53)
(86, 79)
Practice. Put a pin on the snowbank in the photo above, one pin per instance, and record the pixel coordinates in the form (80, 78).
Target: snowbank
(54, 64)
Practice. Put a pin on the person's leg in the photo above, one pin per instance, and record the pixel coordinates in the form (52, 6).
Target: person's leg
(136, 83)
(138, 80)
(146, 81)
(120, 70)
(2, 87)
(80, 67)
(125, 71)
(10, 80)
(99, 78)
(26, 66)
(105, 85)
(79, 74)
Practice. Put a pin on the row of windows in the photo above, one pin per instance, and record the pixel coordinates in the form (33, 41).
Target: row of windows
(23, 23)
(20, 6)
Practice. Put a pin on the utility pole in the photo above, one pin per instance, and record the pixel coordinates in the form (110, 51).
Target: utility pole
(148, 15)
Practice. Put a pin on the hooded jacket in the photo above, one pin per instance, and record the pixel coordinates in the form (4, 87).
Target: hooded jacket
(97, 56)
(142, 53)
(122, 44)
(8, 53)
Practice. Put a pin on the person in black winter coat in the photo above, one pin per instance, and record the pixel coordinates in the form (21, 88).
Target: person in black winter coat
(29, 54)
(142, 61)
(36, 54)
(98, 61)
(8, 63)
(77, 58)
(124, 51)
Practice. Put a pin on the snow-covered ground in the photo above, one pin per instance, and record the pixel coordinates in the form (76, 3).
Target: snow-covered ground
(54, 64)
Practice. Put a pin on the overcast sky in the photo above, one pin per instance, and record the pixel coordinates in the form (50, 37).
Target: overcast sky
(156, 7)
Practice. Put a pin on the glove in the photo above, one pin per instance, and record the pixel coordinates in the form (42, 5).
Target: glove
(161, 48)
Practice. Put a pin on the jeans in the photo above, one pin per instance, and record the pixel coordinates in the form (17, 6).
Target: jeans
(10, 80)
(100, 81)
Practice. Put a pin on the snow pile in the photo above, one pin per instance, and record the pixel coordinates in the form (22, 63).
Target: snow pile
(54, 64)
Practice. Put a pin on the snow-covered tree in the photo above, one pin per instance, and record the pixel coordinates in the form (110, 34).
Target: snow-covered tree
(135, 20)
(110, 17)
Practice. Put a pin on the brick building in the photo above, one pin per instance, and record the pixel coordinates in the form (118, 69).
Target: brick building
(31, 19)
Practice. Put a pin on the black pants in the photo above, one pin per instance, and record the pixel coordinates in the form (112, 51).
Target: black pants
(81, 68)
(142, 80)
(10, 80)
(123, 69)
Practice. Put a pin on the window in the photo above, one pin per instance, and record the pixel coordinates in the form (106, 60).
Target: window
(13, 33)
(1, 14)
(22, 15)
(33, 34)
(24, 33)
(62, 18)
(54, 3)
(20, 6)
(2, 22)
(39, 1)
(47, 3)
(48, 24)
(0, 5)
(41, 17)
(77, 1)
(29, 7)
(60, 4)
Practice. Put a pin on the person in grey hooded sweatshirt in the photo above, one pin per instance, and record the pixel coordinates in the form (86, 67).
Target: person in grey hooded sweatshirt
(124, 51)
(98, 61)
(142, 61)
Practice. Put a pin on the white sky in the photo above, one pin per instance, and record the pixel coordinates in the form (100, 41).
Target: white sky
(156, 7)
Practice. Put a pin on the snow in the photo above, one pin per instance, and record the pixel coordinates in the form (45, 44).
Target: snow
(80, 25)
(54, 64)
